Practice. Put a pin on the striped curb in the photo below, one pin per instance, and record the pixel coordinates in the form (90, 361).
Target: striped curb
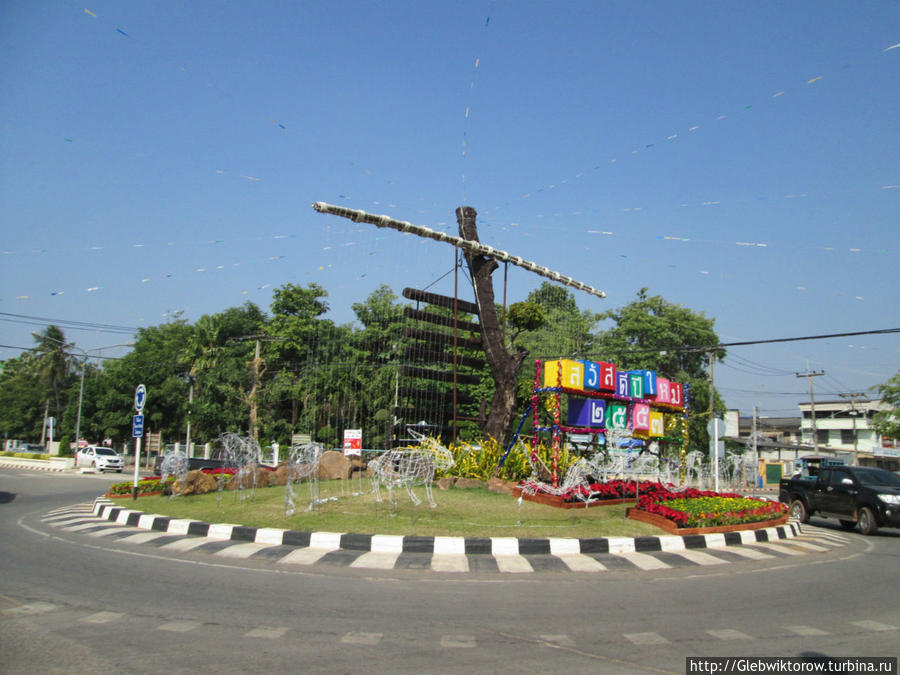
(106, 509)
(7, 463)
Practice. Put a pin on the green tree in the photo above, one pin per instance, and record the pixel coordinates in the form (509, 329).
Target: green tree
(652, 333)
(22, 398)
(379, 346)
(154, 361)
(299, 338)
(565, 330)
(887, 422)
(523, 317)
(54, 366)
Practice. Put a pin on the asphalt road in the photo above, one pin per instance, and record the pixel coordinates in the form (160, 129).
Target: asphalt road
(74, 603)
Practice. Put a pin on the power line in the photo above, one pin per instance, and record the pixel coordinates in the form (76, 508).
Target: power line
(66, 323)
(744, 343)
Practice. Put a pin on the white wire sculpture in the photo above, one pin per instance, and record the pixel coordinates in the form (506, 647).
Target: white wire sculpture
(578, 476)
(693, 467)
(241, 454)
(303, 463)
(630, 466)
(407, 467)
(175, 464)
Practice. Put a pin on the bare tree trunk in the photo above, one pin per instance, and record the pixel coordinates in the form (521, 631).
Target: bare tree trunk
(504, 366)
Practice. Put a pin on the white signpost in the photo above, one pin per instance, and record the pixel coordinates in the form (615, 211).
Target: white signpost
(716, 429)
(137, 432)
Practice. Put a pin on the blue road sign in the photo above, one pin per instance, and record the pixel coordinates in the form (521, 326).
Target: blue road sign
(140, 397)
(137, 426)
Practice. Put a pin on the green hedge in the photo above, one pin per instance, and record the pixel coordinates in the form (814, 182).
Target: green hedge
(144, 486)
(25, 455)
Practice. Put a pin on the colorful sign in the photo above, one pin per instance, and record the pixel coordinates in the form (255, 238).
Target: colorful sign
(587, 412)
(352, 442)
(604, 379)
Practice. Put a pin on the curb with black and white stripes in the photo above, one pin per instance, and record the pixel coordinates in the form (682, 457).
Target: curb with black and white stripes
(107, 510)
(104, 518)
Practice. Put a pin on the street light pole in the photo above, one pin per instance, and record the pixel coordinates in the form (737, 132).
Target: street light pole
(80, 398)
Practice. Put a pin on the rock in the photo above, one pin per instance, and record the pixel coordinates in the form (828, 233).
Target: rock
(469, 483)
(500, 486)
(265, 477)
(357, 464)
(280, 474)
(334, 465)
(195, 483)
(445, 483)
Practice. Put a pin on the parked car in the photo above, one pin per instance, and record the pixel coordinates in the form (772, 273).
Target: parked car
(857, 496)
(100, 458)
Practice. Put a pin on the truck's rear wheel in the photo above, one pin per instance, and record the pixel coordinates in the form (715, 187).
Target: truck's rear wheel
(798, 511)
(867, 524)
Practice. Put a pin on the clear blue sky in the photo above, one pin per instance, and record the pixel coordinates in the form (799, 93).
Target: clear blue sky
(739, 158)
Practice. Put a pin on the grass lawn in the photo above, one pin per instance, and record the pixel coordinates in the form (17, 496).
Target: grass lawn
(471, 512)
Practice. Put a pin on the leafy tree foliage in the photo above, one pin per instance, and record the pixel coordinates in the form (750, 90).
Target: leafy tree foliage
(54, 365)
(655, 334)
(315, 377)
(887, 422)
(22, 398)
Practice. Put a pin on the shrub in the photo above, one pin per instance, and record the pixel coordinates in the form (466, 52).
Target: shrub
(481, 460)
(146, 486)
(25, 455)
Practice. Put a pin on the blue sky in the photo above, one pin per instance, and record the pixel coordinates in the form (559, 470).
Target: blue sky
(741, 159)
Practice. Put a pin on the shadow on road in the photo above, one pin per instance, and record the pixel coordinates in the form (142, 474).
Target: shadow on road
(7, 497)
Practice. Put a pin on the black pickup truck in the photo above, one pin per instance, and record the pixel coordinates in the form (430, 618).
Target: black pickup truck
(857, 496)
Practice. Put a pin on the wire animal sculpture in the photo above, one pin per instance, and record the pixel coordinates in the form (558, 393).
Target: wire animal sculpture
(407, 467)
(241, 454)
(693, 467)
(303, 463)
(579, 475)
(175, 464)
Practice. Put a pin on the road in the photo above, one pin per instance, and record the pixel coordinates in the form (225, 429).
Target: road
(70, 602)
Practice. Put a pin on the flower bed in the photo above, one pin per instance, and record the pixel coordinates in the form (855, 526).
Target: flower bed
(692, 509)
(672, 528)
(595, 494)
(146, 487)
(687, 511)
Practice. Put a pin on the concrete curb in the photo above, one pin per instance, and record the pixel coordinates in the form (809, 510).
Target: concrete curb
(33, 465)
(384, 543)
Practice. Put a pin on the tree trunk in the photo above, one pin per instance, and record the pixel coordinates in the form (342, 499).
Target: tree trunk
(504, 366)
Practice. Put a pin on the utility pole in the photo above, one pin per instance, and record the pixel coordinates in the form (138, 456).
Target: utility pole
(853, 413)
(755, 446)
(187, 445)
(254, 413)
(812, 403)
(712, 420)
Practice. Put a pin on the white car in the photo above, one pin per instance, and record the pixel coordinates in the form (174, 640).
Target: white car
(100, 458)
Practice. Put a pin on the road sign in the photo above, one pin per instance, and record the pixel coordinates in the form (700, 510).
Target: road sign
(716, 427)
(137, 426)
(140, 397)
(352, 442)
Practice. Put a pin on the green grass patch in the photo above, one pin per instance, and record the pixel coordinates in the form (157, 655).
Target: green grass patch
(470, 512)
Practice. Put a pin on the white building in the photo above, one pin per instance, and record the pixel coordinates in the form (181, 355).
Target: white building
(844, 426)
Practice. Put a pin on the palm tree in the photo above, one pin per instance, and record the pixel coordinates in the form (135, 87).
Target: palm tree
(53, 363)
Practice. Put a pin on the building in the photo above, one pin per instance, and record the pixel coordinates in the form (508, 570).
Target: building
(843, 431)
(844, 426)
